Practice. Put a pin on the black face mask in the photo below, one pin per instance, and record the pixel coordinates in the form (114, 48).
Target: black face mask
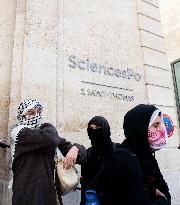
(96, 136)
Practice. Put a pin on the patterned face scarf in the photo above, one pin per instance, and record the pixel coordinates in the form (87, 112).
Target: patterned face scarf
(157, 138)
(33, 121)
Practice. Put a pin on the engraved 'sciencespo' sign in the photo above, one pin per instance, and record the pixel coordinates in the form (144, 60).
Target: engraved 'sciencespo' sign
(87, 65)
(102, 90)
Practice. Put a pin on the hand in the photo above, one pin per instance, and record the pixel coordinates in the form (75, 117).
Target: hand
(159, 193)
(70, 158)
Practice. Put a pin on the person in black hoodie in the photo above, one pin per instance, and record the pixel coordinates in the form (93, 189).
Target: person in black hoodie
(132, 175)
(98, 154)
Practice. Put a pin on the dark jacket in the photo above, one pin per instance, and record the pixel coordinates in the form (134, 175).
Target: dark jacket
(132, 175)
(33, 165)
(97, 155)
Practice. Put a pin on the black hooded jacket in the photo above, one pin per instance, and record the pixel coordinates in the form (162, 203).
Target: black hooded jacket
(33, 165)
(132, 175)
(97, 155)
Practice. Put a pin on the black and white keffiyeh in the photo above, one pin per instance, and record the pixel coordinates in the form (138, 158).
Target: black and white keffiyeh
(23, 122)
(32, 121)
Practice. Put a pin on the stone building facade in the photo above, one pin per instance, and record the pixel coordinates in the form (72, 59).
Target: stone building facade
(170, 15)
(84, 58)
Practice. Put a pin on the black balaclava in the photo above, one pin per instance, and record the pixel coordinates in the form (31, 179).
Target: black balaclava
(100, 138)
(136, 123)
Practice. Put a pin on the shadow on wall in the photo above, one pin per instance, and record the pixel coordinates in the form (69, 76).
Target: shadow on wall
(5, 194)
(73, 198)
